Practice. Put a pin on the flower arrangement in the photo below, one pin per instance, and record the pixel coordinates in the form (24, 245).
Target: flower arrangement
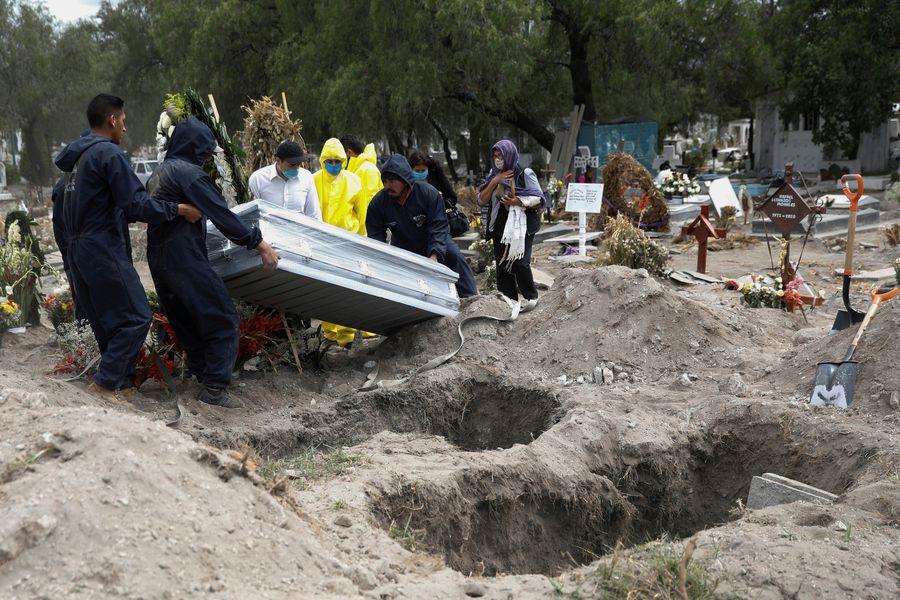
(224, 167)
(60, 307)
(79, 347)
(679, 184)
(629, 246)
(763, 292)
(9, 314)
(484, 253)
(621, 173)
(20, 272)
(259, 336)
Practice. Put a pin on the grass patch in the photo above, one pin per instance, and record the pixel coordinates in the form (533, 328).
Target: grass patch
(406, 536)
(658, 569)
(312, 465)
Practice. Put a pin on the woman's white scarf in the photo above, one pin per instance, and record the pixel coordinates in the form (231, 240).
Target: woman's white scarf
(515, 231)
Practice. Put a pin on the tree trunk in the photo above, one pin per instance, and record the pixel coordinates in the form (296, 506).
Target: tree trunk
(578, 37)
(445, 143)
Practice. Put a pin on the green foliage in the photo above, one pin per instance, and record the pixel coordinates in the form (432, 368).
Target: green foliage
(408, 537)
(841, 62)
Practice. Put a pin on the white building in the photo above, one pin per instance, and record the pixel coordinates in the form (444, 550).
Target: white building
(775, 144)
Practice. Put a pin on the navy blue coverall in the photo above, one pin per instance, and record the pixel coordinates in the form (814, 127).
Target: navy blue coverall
(419, 225)
(191, 294)
(102, 196)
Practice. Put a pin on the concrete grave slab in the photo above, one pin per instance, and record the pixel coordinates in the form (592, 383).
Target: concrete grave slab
(551, 231)
(542, 279)
(772, 490)
(840, 202)
(573, 238)
(885, 273)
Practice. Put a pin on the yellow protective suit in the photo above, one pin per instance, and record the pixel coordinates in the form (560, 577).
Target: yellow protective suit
(364, 166)
(340, 197)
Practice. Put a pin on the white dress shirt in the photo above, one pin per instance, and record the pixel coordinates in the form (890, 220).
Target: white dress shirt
(297, 194)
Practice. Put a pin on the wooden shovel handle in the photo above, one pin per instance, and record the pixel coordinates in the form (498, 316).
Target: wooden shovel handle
(877, 299)
(851, 243)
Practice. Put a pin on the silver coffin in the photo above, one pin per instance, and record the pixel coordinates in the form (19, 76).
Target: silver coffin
(333, 275)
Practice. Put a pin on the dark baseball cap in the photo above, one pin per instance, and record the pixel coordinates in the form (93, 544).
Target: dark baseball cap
(290, 151)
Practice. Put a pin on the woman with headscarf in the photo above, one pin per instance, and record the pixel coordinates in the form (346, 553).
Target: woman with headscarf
(516, 199)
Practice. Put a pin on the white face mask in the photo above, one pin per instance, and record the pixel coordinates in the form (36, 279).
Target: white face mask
(498, 162)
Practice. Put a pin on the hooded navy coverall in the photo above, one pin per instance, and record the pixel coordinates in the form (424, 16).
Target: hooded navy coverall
(418, 225)
(191, 295)
(103, 196)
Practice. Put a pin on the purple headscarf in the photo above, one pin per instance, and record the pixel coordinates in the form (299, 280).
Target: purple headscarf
(510, 155)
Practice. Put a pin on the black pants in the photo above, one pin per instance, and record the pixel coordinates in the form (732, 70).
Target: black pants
(516, 278)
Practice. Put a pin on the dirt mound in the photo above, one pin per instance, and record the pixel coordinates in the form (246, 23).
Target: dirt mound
(878, 355)
(611, 316)
(626, 317)
(102, 504)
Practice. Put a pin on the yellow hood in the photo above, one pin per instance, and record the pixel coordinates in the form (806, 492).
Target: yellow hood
(368, 156)
(331, 150)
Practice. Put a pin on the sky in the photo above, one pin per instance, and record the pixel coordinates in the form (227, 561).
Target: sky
(68, 11)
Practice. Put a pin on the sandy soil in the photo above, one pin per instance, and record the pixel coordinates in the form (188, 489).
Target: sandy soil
(509, 472)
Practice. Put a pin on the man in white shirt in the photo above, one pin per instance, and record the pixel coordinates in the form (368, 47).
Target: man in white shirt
(286, 184)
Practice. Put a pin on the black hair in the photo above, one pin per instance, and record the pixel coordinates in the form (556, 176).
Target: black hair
(416, 157)
(353, 143)
(101, 107)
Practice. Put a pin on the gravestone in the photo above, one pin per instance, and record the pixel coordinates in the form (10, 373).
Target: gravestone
(771, 490)
(722, 195)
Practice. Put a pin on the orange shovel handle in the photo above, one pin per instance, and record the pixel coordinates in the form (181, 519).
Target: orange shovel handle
(884, 296)
(852, 196)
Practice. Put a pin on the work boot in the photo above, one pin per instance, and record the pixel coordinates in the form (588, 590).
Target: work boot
(218, 397)
(101, 392)
(129, 394)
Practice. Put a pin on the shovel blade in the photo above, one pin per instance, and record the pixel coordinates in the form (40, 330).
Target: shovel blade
(844, 319)
(834, 384)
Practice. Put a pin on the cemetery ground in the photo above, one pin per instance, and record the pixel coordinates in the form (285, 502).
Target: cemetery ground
(601, 446)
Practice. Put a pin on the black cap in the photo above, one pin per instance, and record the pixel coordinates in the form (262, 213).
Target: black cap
(290, 151)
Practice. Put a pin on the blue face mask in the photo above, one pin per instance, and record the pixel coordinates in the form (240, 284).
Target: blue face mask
(333, 169)
(421, 176)
(292, 173)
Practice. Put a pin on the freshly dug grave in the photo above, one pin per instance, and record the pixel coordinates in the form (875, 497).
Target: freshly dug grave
(555, 504)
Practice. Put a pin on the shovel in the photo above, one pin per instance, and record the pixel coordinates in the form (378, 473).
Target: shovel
(847, 317)
(836, 381)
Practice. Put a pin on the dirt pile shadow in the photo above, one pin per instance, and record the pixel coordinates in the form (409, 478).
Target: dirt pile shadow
(531, 516)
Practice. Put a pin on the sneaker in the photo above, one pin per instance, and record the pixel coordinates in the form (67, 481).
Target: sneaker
(529, 305)
(101, 392)
(217, 397)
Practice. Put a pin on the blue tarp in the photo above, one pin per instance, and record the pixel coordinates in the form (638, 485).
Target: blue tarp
(640, 140)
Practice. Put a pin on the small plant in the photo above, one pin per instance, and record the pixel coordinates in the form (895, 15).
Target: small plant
(490, 281)
(484, 253)
(629, 246)
(313, 465)
(658, 569)
(727, 218)
(406, 536)
(891, 235)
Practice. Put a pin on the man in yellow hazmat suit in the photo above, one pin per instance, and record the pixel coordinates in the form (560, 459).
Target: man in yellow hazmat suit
(340, 193)
(362, 163)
